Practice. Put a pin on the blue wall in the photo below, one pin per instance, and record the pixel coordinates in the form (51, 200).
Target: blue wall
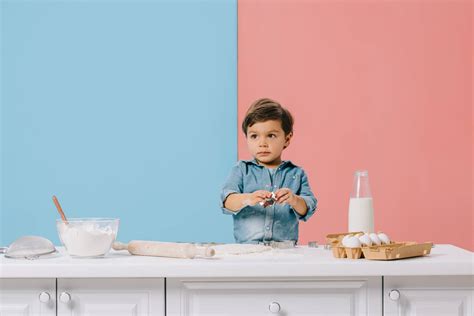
(122, 109)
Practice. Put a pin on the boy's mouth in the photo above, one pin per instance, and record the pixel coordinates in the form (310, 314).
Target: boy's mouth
(263, 153)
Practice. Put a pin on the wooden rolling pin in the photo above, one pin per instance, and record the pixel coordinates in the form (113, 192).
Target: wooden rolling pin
(164, 249)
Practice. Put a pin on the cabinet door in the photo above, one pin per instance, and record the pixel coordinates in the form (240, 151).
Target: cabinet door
(27, 297)
(315, 297)
(429, 296)
(114, 297)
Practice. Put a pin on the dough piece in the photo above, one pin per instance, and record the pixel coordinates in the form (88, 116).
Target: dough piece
(239, 249)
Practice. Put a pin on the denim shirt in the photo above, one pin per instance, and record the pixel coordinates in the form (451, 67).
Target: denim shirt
(278, 222)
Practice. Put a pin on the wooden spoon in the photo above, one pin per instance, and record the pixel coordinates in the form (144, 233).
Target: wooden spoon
(60, 210)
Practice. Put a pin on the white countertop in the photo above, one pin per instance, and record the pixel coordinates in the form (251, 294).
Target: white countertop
(298, 262)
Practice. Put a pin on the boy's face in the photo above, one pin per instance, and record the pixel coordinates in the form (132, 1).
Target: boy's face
(266, 141)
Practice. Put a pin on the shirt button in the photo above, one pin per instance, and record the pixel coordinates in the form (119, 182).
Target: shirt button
(268, 227)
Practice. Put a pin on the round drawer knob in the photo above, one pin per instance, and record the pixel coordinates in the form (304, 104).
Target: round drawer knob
(274, 307)
(394, 295)
(44, 297)
(64, 297)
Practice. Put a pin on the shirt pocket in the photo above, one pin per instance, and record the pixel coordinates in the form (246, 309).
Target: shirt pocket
(293, 182)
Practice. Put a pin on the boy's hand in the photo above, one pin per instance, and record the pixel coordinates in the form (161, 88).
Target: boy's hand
(258, 196)
(285, 195)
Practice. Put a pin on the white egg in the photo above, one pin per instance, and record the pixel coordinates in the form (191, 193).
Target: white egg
(365, 240)
(345, 238)
(375, 239)
(384, 238)
(352, 242)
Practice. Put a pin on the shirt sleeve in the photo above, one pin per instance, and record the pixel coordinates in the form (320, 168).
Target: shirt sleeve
(233, 184)
(308, 196)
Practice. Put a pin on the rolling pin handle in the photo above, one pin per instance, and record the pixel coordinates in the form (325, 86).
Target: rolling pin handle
(210, 252)
(119, 246)
(204, 252)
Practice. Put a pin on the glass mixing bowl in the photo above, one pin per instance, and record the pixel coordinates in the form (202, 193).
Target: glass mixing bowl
(87, 237)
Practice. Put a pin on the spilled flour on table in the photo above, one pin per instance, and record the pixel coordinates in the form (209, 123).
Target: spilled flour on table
(239, 249)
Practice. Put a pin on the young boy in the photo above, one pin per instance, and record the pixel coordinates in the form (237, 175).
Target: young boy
(267, 196)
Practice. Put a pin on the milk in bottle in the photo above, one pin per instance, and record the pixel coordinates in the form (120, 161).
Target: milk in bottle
(361, 210)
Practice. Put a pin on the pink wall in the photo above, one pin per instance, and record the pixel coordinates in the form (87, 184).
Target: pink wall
(379, 85)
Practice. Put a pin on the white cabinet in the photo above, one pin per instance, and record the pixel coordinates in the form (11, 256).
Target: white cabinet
(429, 296)
(27, 297)
(80, 297)
(292, 297)
(344, 296)
(114, 297)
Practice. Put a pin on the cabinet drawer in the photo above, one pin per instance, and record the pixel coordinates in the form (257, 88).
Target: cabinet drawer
(321, 296)
(28, 297)
(114, 297)
(429, 296)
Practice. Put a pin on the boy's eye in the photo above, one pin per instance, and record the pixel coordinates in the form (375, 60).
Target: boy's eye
(272, 135)
(253, 136)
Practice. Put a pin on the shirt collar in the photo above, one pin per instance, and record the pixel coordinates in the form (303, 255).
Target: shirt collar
(254, 162)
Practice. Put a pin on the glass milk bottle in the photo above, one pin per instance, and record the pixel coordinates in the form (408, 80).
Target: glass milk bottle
(361, 210)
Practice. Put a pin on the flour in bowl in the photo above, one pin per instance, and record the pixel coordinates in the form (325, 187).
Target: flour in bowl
(86, 239)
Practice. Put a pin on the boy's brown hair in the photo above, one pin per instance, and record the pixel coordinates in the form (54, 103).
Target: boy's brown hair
(264, 110)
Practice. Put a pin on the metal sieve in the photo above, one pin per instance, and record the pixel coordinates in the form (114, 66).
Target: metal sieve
(29, 247)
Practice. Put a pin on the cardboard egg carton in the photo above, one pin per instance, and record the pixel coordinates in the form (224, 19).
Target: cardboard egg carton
(399, 250)
(392, 251)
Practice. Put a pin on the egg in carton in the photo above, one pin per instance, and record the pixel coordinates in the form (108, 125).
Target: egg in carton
(352, 245)
(336, 238)
(349, 245)
(335, 241)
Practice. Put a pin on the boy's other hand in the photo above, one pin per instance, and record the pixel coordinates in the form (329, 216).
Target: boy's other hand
(259, 196)
(285, 195)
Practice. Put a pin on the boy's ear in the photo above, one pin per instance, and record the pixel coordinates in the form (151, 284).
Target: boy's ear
(288, 139)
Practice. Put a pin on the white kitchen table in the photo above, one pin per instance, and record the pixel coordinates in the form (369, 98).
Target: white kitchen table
(291, 282)
(298, 262)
